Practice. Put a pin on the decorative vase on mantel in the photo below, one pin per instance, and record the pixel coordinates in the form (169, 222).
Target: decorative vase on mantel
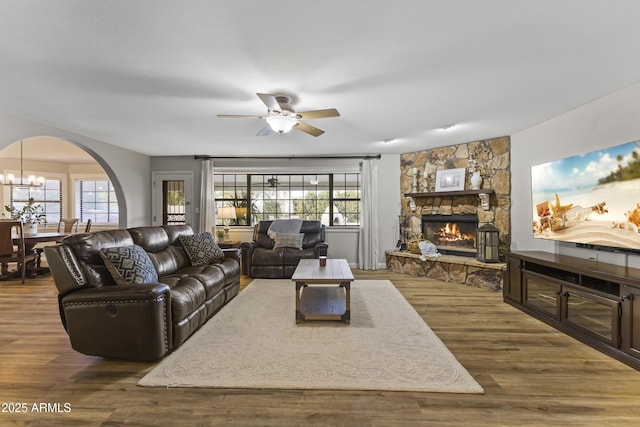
(476, 180)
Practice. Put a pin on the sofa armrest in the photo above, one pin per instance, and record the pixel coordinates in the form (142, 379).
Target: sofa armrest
(130, 322)
(246, 252)
(321, 249)
(65, 268)
(248, 246)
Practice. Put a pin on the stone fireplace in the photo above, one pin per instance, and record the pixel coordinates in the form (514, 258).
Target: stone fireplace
(452, 234)
(491, 156)
(428, 213)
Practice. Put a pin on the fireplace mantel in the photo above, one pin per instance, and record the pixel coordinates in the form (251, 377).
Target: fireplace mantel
(450, 193)
(484, 194)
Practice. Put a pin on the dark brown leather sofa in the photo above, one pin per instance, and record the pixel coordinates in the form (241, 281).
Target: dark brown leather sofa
(261, 260)
(142, 321)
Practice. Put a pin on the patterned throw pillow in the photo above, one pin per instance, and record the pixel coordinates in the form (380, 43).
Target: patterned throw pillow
(129, 265)
(288, 240)
(201, 248)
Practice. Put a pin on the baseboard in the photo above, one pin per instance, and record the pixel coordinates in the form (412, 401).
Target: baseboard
(380, 266)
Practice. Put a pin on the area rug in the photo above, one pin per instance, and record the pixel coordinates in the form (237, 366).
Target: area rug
(254, 342)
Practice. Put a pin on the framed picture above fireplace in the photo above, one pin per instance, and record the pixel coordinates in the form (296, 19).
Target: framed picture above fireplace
(450, 179)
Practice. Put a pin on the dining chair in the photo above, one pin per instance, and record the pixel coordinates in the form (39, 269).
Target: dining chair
(87, 228)
(12, 247)
(68, 225)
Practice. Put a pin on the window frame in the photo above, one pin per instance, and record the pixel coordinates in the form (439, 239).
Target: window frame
(77, 198)
(43, 202)
(245, 196)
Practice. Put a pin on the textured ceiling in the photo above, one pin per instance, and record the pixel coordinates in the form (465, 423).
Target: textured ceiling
(152, 75)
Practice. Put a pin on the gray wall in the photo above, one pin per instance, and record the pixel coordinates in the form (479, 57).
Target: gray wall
(605, 122)
(129, 171)
(343, 242)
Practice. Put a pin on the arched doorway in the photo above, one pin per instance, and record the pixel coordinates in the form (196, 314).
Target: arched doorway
(78, 182)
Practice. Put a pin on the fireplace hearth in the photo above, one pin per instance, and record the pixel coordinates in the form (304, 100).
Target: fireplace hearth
(452, 234)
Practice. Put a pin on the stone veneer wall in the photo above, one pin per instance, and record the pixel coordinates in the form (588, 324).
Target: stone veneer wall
(492, 157)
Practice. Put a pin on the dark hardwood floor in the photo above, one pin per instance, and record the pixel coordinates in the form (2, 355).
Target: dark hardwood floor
(532, 375)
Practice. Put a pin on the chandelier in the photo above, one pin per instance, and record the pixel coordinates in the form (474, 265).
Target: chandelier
(30, 181)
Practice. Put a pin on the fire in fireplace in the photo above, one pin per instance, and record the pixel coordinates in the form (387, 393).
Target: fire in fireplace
(452, 234)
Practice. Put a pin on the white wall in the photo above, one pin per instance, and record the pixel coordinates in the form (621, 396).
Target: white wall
(343, 243)
(127, 169)
(608, 121)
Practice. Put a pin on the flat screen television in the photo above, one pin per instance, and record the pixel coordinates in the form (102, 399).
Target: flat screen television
(591, 199)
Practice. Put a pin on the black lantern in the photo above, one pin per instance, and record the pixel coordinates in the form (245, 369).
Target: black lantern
(487, 243)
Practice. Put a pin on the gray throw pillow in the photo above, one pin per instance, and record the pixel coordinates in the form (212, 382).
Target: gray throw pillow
(201, 248)
(288, 240)
(129, 265)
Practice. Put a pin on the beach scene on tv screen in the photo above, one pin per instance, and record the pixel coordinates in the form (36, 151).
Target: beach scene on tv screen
(591, 198)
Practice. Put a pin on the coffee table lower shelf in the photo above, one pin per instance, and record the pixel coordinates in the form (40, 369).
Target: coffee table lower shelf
(323, 303)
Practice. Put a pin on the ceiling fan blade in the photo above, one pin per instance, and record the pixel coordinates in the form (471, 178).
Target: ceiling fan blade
(265, 131)
(313, 131)
(319, 114)
(239, 116)
(270, 101)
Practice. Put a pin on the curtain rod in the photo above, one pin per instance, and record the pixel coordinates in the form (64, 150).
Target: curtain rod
(362, 156)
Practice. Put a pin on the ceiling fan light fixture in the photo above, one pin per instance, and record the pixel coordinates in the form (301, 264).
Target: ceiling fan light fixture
(281, 117)
(281, 124)
(273, 182)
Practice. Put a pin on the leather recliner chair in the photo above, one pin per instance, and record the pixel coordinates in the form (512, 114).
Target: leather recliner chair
(261, 260)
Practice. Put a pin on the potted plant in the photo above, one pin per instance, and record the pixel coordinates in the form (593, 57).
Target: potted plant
(31, 215)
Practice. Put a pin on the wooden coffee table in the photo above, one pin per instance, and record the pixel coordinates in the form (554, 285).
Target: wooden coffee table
(323, 293)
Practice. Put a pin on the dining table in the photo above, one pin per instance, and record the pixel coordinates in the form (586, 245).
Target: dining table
(46, 236)
(30, 242)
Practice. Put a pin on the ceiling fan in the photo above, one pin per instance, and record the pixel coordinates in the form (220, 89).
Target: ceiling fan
(273, 182)
(281, 117)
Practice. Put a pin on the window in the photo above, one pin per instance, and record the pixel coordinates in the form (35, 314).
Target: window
(231, 190)
(173, 203)
(96, 200)
(346, 198)
(49, 197)
(333, 199)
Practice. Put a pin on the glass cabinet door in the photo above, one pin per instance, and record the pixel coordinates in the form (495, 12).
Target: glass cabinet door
(595, 315)
(541, 294)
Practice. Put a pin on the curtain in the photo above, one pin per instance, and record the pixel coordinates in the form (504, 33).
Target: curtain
(207, 199)
(368, 236)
